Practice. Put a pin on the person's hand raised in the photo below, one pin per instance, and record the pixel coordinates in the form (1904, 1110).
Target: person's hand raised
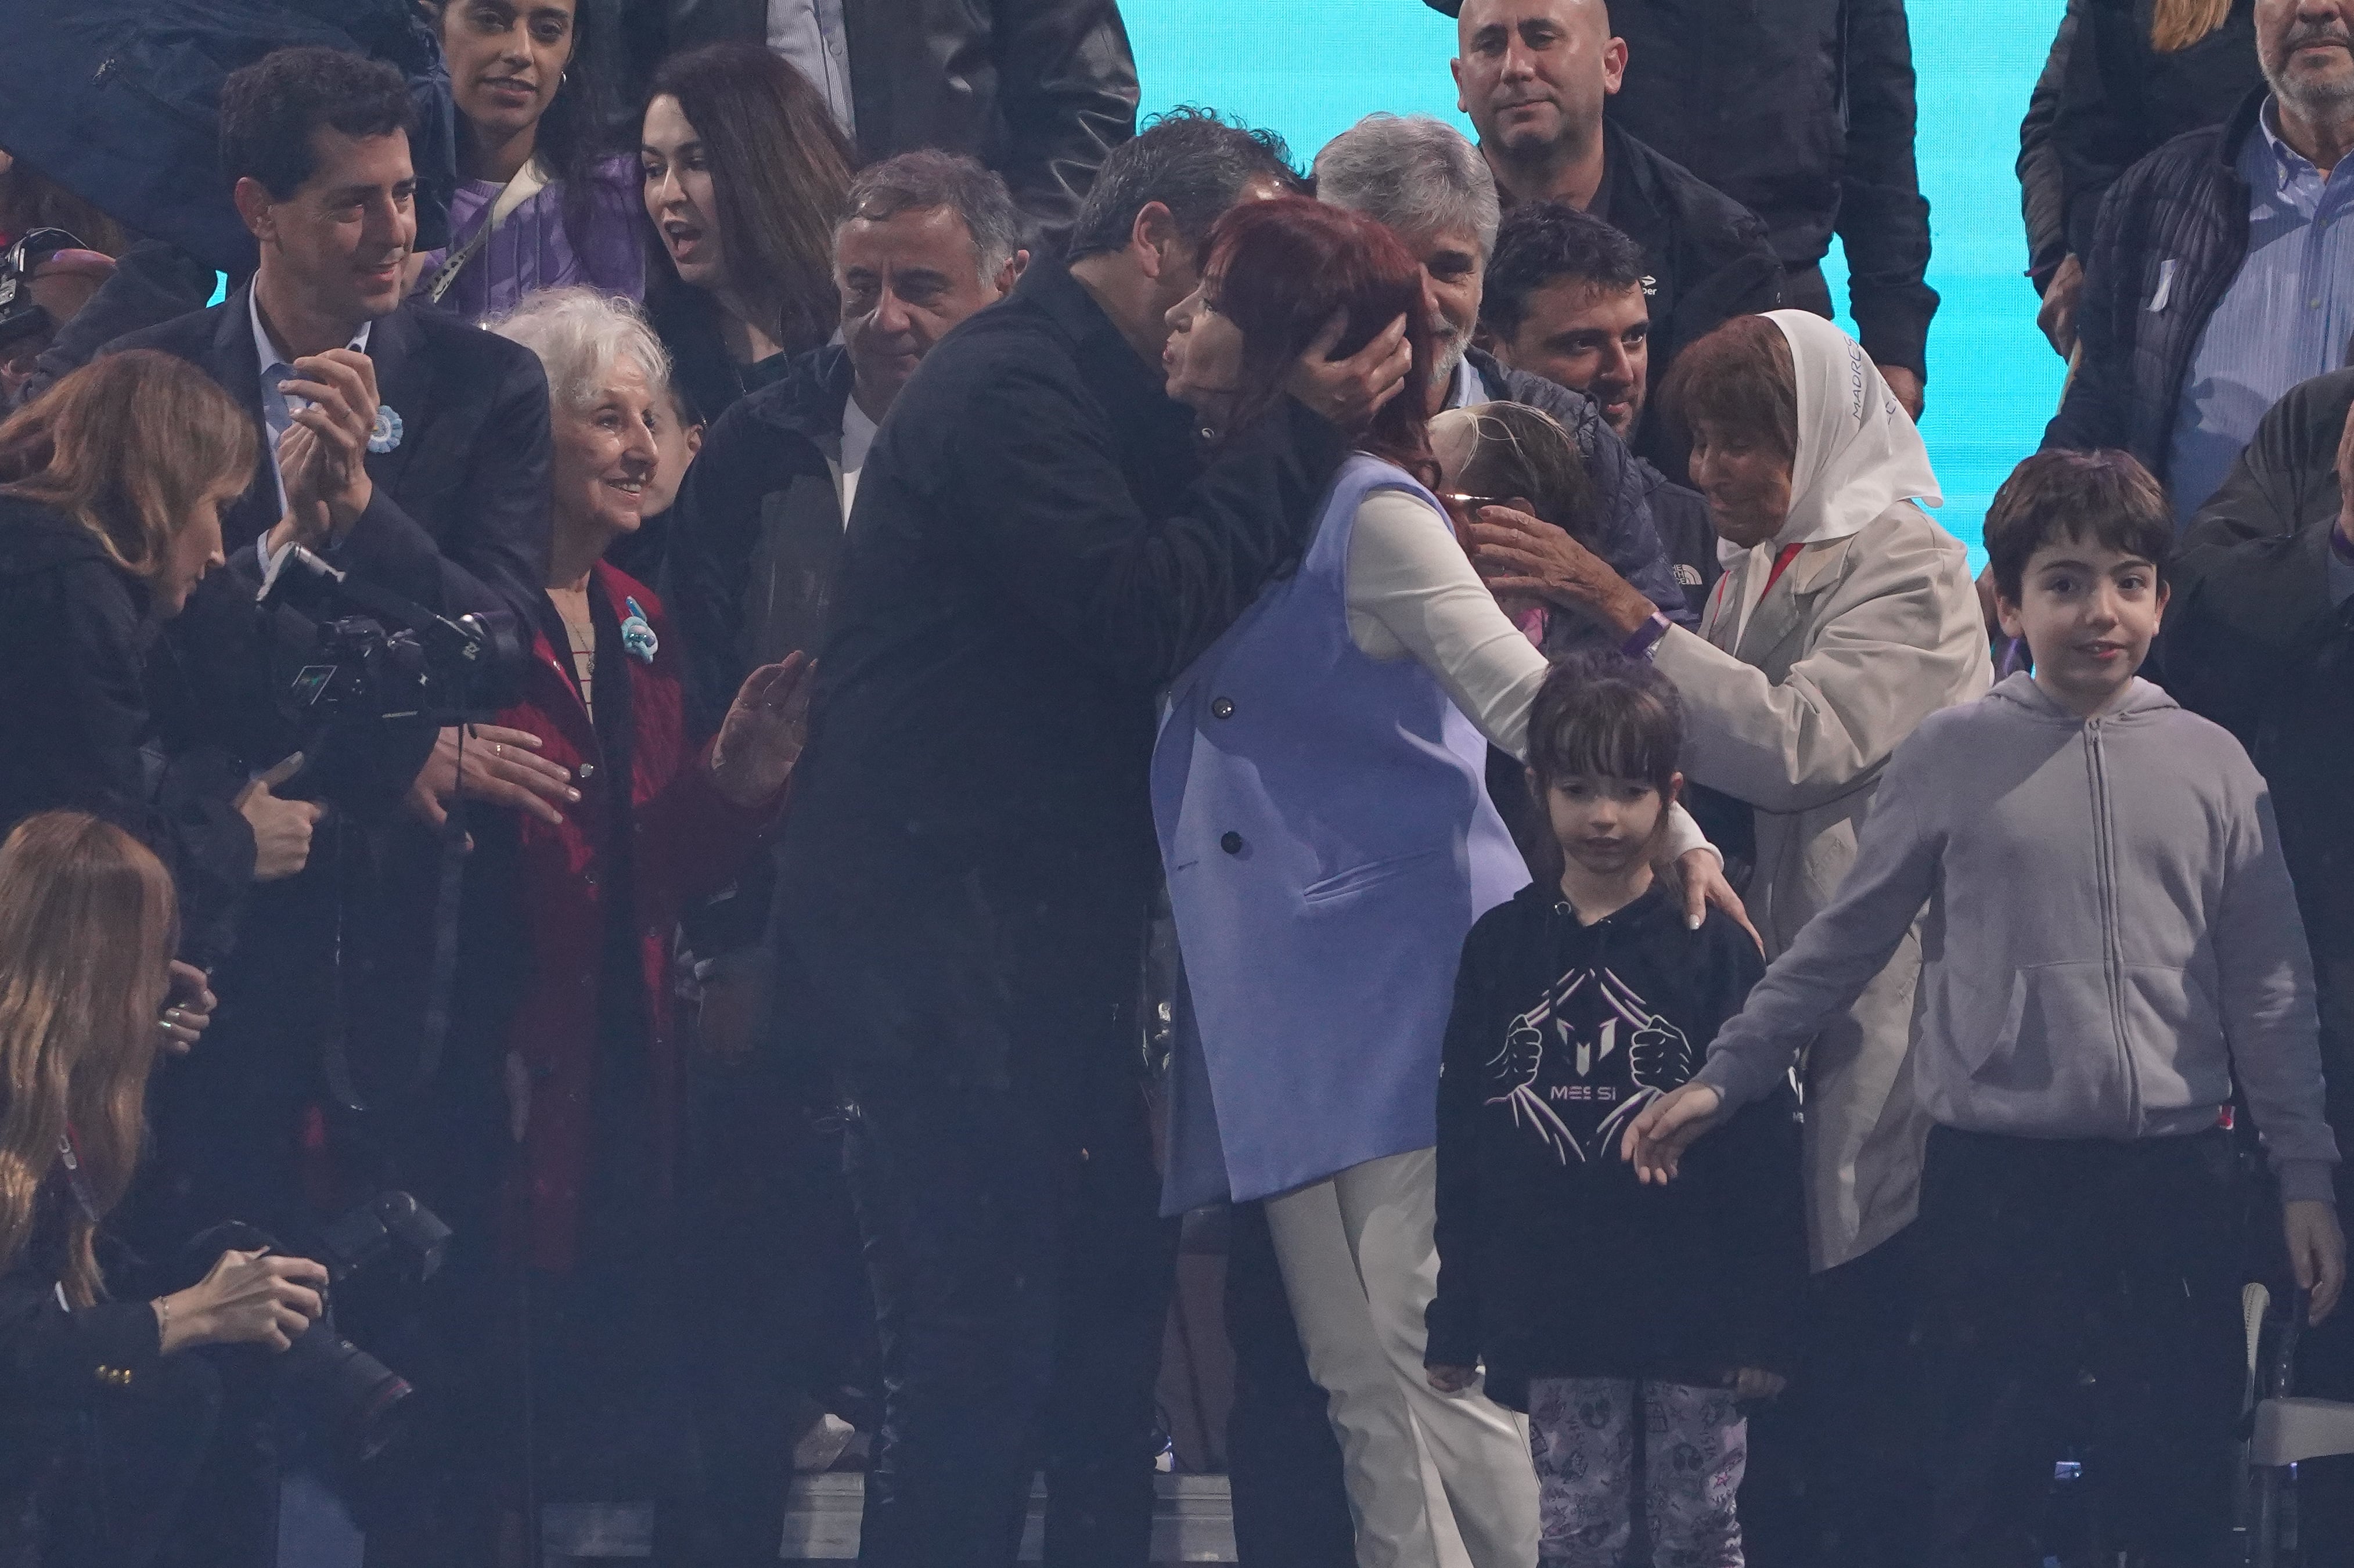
(765, 729)
(1351, 391)
(307, 521)
(338, 388)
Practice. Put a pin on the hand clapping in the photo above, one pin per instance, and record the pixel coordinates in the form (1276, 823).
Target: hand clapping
(323, 456)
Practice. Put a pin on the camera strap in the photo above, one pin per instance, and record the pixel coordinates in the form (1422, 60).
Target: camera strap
(442, 979)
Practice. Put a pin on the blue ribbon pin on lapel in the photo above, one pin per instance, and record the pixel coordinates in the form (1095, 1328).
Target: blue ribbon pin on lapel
(637, 636)
(386, 434)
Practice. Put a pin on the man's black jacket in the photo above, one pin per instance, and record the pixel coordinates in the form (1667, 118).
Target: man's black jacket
(1041, 91)
(459, 518)
(2042, 184)
(1804, 114)
(756, 453)
(755, 546)
(1710, 256)
(2184, 207)
(81, 723)
(1036, 549)
(2121, 98)
(1680, 514)
(2253, 642)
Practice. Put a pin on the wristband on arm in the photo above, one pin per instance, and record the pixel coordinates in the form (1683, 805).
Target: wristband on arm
(1647, 636)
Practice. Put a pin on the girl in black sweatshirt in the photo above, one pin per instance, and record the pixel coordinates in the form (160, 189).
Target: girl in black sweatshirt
(1605, 1309)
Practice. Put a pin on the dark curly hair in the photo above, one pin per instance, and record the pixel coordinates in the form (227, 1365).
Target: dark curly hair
(269, 109)
(1541, 243)
(1191, 161)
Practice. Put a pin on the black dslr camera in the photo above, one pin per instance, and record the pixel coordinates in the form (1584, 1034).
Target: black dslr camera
(376, 655)
(339, 1392)
(21, 316)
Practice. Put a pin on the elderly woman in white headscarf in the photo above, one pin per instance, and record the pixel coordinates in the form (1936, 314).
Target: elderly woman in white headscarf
(1845, 617)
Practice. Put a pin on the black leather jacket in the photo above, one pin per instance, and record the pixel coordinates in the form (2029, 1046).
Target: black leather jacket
(1041, 91)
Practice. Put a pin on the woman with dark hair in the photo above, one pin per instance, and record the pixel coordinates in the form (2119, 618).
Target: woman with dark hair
(1318, 787)
(541, 203)
(746, 176)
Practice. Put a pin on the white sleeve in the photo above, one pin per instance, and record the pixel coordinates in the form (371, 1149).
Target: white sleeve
(1412, 590)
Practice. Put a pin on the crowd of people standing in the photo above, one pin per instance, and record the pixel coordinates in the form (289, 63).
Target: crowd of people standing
(1061, 677)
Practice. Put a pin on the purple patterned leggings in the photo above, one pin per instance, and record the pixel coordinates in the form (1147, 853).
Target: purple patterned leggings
(1582, 1431)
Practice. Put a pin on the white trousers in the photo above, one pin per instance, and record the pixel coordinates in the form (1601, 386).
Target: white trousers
(1434, 1480)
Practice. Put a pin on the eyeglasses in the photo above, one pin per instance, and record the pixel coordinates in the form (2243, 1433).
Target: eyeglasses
(1474, 501)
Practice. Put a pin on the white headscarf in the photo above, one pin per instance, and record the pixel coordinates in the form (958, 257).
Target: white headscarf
(1859, 452)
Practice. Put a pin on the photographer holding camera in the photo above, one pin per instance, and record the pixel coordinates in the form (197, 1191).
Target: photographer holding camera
(112, 487)
(106, 1423)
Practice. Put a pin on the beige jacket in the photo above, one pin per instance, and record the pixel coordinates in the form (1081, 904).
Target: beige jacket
(1860, 640)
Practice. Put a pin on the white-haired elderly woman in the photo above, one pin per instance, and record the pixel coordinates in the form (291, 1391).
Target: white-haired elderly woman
(651, 816)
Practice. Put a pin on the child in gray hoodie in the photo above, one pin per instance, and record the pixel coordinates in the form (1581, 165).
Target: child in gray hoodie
(2110, 940)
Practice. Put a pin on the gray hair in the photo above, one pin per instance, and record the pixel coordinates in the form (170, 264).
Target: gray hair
(580, 336)
(928, 177)
(1416, 175)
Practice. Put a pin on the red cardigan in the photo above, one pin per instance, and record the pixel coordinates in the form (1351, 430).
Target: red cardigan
(690, 841)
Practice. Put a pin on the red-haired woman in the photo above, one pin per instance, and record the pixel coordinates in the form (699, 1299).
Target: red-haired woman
(1319, 790)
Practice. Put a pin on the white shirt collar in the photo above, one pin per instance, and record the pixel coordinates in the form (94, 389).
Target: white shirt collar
(266, 352)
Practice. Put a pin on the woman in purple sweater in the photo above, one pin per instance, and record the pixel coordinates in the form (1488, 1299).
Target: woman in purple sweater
(541, 204)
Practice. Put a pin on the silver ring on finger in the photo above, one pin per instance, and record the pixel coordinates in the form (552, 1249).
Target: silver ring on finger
(499, 750)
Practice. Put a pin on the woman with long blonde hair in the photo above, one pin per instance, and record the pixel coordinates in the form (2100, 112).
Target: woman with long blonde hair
(87, 926)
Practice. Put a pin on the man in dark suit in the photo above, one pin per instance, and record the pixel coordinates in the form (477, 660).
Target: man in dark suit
(1037, 547)
(1040, 91)
(410, 450)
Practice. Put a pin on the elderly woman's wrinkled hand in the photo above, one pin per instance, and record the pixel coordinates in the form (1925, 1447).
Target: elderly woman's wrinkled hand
(765, 729)
(492, 763)
(1520, 554)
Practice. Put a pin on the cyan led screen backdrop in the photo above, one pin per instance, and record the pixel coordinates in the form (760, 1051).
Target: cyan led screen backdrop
(1309, 68)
